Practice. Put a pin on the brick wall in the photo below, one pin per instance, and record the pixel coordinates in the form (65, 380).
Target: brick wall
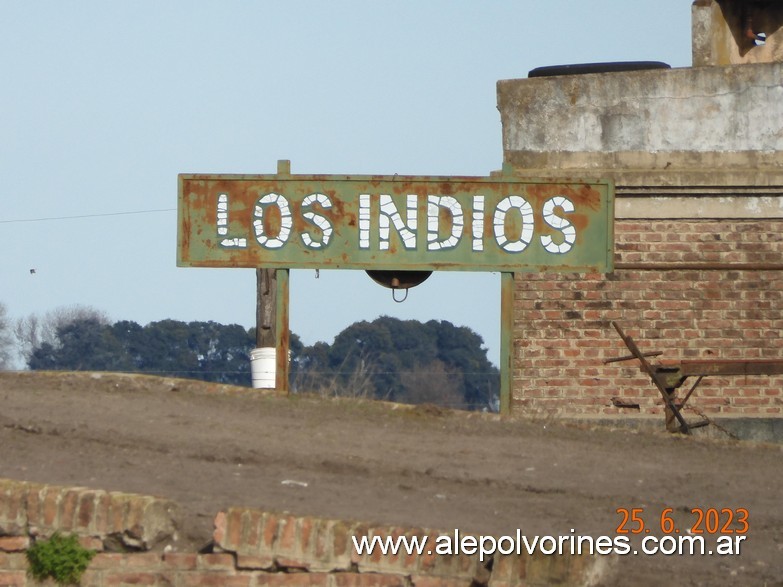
(103, 520)
(221, 570)
(251, 548)
(562, 330)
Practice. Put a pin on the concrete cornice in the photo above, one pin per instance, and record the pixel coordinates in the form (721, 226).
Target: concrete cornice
(749, 185)
(746, 170)
(723, 109)
(699, 208)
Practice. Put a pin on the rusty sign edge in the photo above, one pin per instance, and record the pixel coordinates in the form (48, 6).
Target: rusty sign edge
(605, 265)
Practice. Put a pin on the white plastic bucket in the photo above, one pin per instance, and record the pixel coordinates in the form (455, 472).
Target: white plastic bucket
(262, 367)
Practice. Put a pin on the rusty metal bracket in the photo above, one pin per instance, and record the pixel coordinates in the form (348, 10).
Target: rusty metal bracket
(673, 409)
(684, 401)
(631, 357)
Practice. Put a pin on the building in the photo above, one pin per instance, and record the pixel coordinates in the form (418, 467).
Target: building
(696, 155)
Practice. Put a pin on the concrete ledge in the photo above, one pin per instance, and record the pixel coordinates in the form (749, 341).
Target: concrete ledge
(697, 208)
(681, 166)
(703, 109)
(755, 429)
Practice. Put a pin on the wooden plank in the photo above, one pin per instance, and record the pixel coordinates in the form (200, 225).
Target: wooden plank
(719, 367)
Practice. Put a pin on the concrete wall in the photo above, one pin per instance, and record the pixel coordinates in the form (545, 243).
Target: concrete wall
(722, 32)
(731, 109)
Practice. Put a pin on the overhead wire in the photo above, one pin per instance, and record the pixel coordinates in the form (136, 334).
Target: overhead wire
(101, 215)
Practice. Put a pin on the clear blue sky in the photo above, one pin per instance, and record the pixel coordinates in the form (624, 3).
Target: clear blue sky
(102, 104)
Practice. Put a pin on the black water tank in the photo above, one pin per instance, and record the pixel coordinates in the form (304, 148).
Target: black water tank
(609, 67)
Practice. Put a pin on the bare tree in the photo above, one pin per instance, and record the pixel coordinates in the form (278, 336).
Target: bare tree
(357, 384)
(33, 331)
(29, 335)
(433, 383)
(6, 340)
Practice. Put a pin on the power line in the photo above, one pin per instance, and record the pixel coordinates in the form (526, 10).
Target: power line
(154, 211)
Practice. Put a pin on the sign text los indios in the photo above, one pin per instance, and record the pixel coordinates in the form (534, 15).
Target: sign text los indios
(491, 223)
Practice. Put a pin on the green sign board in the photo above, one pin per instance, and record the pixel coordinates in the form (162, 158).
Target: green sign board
(495, 223)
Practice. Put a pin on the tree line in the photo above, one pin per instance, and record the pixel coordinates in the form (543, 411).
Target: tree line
(398, 360)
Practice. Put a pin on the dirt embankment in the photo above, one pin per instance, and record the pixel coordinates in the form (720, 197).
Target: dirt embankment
(210, 447)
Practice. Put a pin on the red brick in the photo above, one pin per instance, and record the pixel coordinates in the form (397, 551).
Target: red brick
(234, 528)
(287, 534)
(107, 560)
(12, 561)
(33, 506)
(67, 509)
(13, 578)
(305, 533)
(253, 520)
(219, 580)
(216, 562)
(14, 543)
(91, 543)
(101, 518)
(142, 560)
(428, 561)
(180, 561)
(370, 580)
(13, 511)
(427, 581)
(219, 535)
(509, 568)
(86, 510)
(134, 515)
(91, 578)
(321, 543)
(270, 530)
(119, 506)
(293, 579)
(342, 532)
(245, 562)
(126, 579)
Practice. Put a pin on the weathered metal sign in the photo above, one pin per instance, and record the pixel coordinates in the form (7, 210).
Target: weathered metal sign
(395, 222)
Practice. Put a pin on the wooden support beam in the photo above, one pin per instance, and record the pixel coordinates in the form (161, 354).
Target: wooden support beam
(506, 339)
(272, 325)
(282, 331)
(266, 303)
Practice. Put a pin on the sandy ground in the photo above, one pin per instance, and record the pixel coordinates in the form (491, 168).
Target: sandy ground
(209, 447)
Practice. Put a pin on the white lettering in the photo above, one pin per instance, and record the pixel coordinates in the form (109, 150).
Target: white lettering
(434, 206)
(364, 221)
(478, 223)
(321, 222)
(226, 242)
(390, 215)
(558, 222)
(443, 545)
(513, 222)
(286, 221)
(729, 545)
(526, 234)
(547, 549)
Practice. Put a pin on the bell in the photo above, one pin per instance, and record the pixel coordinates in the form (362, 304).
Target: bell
(398, 279)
